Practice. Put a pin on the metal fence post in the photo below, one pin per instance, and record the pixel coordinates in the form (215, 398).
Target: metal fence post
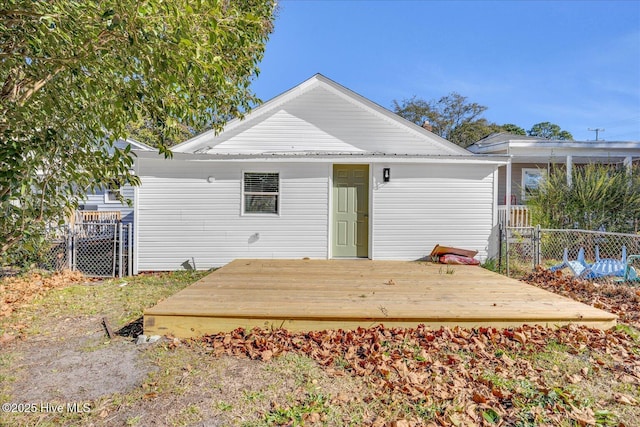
(507, 257)
(500, 232)
(120, 249)
(115, 250)
(69, 242)
(129, 251)
(74, 249)
(536, 246)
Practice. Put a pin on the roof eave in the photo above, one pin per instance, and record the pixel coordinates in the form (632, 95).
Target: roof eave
(354, 157)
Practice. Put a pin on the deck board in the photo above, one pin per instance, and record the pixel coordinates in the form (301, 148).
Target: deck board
(329, 294)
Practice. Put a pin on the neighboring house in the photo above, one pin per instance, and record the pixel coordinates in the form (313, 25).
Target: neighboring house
(102, 203)
(532, 158)
(317, 172)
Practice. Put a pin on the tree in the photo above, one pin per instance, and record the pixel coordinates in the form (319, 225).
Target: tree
(473, 131)
(547, 130)
(149, 132)
(74, 74)
(453, 118)
(513, 129)
(446, 115)
(599, 197)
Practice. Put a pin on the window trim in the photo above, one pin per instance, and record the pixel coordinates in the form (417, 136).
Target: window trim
(243, 211)
(107, 200)
(537, 171)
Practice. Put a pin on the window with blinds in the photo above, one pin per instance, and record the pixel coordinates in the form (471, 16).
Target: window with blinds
(261, 192)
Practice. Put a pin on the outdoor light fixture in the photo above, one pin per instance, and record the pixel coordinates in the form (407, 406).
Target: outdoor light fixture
(211, 179)
(386, 174)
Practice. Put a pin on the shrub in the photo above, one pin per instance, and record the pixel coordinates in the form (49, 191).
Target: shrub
(601, 197)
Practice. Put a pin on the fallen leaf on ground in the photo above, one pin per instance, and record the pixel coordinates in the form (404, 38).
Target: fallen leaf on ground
(624, 399)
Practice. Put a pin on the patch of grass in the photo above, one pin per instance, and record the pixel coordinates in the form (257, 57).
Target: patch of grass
(519, 269)
(311, 404)
(187, 416)
(491, 264)
(520, 386)
(119, 300)
(6, 360)
(446, 270)
(490, 416)
(223, 406)
(558, 359)
(303, 370)
(605, 418)
(252, 396)
(629, 330)
(530, 399)
(122, 400)
(595, 384)
(175, 368)
(341, 362)
(134, 421)
(299, 375)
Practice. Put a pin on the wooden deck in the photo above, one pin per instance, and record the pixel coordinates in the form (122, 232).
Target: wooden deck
(332, 294)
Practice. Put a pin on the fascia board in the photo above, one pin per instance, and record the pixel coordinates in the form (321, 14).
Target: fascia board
(335, 158)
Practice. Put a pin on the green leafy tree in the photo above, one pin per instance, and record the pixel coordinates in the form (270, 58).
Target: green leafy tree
(600, 197)
(547, 130)
(445, 115)
(473, 131)
(149, 132)
(453, 118)
(74, 74)
(512, 129)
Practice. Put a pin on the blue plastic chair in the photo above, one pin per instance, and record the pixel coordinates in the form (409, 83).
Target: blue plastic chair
(577, 267)
(606, 267)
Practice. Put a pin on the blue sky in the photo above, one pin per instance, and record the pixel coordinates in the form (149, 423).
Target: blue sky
(573, 63)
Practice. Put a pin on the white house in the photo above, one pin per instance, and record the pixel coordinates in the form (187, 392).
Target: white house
(317, 172)
(532, 158)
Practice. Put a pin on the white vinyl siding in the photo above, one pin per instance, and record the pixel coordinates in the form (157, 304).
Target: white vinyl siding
(425, 205)
(190, 210)
(322, 121)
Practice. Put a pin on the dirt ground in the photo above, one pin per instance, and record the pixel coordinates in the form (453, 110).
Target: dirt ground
(74, 363)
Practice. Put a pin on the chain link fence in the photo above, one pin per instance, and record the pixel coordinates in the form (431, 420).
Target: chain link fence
(95, 249)
(523, 248)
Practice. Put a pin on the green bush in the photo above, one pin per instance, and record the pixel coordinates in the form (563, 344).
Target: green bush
(601, 197)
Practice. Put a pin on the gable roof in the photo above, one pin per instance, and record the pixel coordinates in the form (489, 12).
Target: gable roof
(502, 137)
(320, 116)
(135, 145)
